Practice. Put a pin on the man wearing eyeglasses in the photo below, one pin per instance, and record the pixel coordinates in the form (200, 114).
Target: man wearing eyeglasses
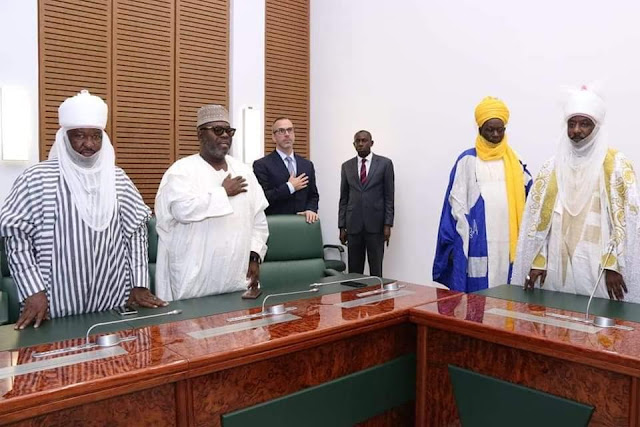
(212, 229)
(288, 180)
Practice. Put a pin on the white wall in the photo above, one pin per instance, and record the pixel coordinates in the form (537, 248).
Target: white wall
(246, 73)
(19, 67)
(413, 71)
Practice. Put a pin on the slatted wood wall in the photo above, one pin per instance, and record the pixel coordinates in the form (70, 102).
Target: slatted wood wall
(202, 55)
(153, 61)
(287, 69)
(75, 54)
(143, 79)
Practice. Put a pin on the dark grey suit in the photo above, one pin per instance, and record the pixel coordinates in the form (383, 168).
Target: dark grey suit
(364, 210)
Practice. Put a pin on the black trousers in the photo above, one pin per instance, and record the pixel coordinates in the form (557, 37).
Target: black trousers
(371, 244)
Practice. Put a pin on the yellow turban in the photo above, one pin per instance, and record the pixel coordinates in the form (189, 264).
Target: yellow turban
(491, 108)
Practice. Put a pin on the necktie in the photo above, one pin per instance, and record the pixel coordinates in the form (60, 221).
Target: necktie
(363, 172)
(290, 165)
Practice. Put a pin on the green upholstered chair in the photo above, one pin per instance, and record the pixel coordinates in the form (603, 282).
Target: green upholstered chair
(153, 253)
(335, 264)
(295, 253)
(9, 304)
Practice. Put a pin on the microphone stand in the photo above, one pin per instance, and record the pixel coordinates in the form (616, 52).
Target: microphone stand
(274, 310)
(103, 340)
(601, 321)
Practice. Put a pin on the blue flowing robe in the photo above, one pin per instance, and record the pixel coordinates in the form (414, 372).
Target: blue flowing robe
(461, 261)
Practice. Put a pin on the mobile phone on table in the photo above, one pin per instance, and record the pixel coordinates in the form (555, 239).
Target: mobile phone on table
(125, 311)
(251, 293)
(355, 284)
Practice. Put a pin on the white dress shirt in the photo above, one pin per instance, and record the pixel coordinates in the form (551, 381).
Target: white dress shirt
(367, 165)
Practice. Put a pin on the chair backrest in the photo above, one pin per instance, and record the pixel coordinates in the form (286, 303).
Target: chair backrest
(4, 264)
(153, 240)
(153, 252)
(294, 254)
(8, 286)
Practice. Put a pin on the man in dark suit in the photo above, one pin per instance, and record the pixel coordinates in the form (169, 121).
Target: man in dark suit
(365, 214)
(288, 180)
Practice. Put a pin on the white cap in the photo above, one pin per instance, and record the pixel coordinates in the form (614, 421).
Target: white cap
(585, 102)
(83, 111)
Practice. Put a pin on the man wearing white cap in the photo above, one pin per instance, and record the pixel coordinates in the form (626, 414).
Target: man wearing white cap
(212, 229)
(582, 212)
(75, 226)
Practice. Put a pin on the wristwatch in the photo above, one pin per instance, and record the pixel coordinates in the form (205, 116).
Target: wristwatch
(254, 257)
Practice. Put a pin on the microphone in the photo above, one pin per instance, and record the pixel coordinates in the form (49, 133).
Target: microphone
(168, 313)
(103, 340)
(389, 287)
(601, 321)
(274, 310)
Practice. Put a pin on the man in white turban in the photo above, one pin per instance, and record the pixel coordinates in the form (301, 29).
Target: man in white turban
(582, 212)
(75, 226)
(212, 229)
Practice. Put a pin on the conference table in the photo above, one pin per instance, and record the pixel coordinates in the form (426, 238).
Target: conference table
(333, 358)
(506, 357)
(420, 355)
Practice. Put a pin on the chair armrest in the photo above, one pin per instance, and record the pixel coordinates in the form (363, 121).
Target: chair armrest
(340, 248)
(331, 272)
(4, 308)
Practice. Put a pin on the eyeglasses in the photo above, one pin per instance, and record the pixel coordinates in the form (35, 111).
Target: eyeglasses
(219, 130)
(282, 131)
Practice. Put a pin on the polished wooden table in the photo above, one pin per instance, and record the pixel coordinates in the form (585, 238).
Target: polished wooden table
(329, 366)
(505, 361)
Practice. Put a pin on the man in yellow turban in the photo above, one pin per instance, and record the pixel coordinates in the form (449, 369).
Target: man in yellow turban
(483, 208)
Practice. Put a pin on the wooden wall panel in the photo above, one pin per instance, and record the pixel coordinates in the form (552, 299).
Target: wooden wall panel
(287, 69)
(154, 62)
(202, 65)
(75, 54)
(143, 90)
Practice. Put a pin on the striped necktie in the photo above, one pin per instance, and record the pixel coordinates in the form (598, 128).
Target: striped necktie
(363, 171)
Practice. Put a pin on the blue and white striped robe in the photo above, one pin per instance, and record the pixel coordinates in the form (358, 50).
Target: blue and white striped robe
(461, 261)
(51, 249)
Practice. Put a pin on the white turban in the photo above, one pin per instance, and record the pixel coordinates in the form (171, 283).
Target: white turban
(83, 111)
(585, 102)
(90, 180)
(579, 164)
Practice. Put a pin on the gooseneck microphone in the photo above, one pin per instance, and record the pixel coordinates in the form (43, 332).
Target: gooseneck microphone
(601, 321)
(168, 313)
(103, 340)
(274, 310)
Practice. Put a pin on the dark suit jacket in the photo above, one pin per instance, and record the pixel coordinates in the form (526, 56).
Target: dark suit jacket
(273, 175)
(366, 207)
